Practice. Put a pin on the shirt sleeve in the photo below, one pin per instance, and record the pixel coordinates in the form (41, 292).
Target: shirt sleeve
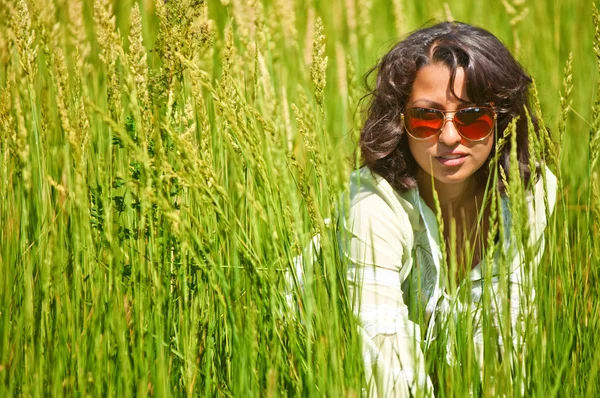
(377, 241)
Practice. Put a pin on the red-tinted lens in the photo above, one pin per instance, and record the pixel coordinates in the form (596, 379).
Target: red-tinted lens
(474, 123)
(423, 122)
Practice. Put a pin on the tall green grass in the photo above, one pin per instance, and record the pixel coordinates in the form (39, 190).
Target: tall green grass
(163, 163)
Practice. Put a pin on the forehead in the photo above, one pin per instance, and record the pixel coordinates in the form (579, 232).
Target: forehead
(432, 85)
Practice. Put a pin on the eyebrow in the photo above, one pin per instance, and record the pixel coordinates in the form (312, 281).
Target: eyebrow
(437, 105)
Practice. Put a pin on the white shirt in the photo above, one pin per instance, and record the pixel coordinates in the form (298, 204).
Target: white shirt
(397, 278)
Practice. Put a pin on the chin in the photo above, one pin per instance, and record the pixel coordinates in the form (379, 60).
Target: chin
(445, 180)
(451, 176)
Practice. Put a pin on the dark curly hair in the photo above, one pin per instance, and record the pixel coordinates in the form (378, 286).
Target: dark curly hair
(493, 77)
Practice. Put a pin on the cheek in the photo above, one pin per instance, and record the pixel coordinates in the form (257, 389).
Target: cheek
(480, 149)
(419, 149)
(411, 148)
(487, 150)
(422, 153)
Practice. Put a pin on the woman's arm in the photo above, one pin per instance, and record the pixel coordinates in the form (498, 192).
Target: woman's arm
(376, 240)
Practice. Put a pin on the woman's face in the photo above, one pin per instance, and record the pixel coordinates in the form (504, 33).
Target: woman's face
(448, 157)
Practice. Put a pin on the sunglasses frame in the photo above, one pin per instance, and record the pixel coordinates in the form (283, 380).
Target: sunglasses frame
(450, 118)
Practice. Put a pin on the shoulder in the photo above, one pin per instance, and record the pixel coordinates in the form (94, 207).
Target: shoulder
(370, 195)
(377, 221)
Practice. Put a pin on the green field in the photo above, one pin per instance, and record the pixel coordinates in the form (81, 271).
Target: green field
(163, 163)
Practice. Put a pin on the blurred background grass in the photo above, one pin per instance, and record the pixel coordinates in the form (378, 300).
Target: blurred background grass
(145, 238)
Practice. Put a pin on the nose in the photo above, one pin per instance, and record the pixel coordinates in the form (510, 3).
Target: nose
(449, 134)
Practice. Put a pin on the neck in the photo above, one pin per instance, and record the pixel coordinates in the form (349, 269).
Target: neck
(454, 198)
(460, 204)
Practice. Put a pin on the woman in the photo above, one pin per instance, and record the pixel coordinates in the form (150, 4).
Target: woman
(441, 99)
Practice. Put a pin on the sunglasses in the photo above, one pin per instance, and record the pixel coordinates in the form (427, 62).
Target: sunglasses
(473, 124)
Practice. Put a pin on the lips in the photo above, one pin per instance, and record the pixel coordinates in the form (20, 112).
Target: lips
(452, 159)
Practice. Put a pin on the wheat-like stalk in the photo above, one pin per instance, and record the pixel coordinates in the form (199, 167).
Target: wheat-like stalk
(547, 144)
(287, 124)
(518, 12)
(594, 141)
(109, 42)
(162, 162)
(62, 103)
(269, 98)
(286, 14)
(565, 105)
(77, 33)
(25, 40)
(7, 141)
(204, 127)
(138, 68)
(304, 188)
(77, 37)
(4, 38)
(318, 68)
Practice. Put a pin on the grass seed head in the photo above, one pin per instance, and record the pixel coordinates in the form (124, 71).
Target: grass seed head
(269, 99)
(565, 104)
(77, 34)
(109, 42)
(318, 70)
(4, 38)
(547, 144)
(138, 73)
(25, 39)
(63, 104)
(286, 14)
(204, 127)
(21, 141)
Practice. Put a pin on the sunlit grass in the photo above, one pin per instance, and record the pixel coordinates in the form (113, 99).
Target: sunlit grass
(161, 169)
